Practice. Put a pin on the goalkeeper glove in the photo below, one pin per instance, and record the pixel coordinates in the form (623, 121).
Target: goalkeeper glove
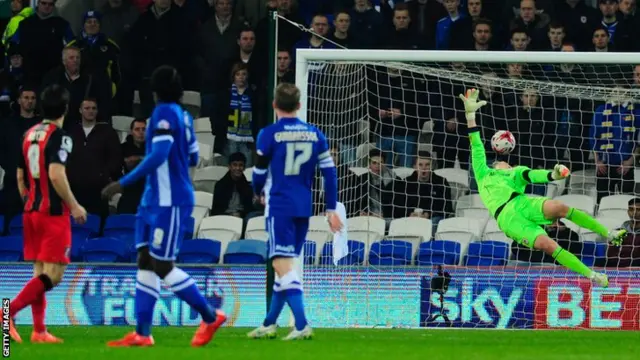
(471, 103)
(560, 172)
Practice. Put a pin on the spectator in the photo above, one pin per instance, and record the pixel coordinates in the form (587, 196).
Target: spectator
(454, 143)
(252, 11)
(609, 10)
(544, 8)
(556, 36)
(402, 37)
(118, 16)
(482, 35)
(80, 86)
(566, 238)
(11, 149)
(21, 10)
(320, 28)
(233, 194)
(535, 25)
(366, 25)
(601, 40)
(627, 7)
(285, 74)
(425, 15)
(462, 30)
(133, 151)
(99, 53)
(579, 19)
(96, 158)
(218, 43)
(636, 77)
(627, 254)
(443, 28)
(11, 80)
(288, 34)
(256, 63)
(375, 188)
(394, 115)
(341, 24)
(41, 38)
(613, 141)
(161, 36)
(520, 40)
(423, 194)
(237, 121)
(628, 27)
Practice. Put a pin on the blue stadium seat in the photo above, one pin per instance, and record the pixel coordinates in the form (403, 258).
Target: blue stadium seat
(309, 252)
(355, 257)
(89, 229)
(200, 251)
(16, 226)
(390, 252)
(77, 243)
(487, 253)
(246, 252)
(591, 251)
(121, 227)
(439, 252)
(11, 248)
(105, 250)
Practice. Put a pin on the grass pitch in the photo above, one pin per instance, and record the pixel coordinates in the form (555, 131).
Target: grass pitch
(88, 343)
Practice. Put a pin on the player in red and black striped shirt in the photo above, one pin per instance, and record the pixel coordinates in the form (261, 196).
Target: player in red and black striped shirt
(48, 203)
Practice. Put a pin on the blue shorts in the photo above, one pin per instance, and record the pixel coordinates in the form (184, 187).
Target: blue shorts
(286, 235)
(162, 230)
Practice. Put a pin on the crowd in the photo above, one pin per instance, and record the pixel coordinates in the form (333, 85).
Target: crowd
(106, 50)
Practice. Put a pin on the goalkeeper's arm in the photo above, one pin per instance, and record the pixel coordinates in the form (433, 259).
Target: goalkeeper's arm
(559, 172)
(478, 156)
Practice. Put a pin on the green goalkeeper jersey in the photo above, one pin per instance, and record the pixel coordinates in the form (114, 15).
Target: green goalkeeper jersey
(498, 186)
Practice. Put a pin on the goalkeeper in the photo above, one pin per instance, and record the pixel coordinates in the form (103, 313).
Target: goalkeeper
(521, 217)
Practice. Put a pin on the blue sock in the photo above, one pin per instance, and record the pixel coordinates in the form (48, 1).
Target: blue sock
(186, 289)
(278, 299)
(292, 287)
(147, 293)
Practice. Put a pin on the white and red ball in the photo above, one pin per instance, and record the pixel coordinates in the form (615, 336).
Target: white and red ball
(503, 142)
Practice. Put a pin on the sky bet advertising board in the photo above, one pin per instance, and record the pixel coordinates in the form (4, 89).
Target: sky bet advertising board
(538, 298)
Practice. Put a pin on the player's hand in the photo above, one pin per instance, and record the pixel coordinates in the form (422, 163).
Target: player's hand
(79, 214)
(560, 172)
(601, 168)
(335, 224)
(110, 190)
(471, 103)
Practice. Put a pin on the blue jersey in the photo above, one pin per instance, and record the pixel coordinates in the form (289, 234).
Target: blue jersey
(169, 185)
(295, 149)
(614, 132)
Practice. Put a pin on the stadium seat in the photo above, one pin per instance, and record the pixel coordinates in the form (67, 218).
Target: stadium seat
(223, 228)
(614, 206)
(205, 179)
(248, 174)
(191, 101)
(471, 206)
(246, 252)
(15, 226)
(493, 233)
(609, 223)
(319, 233)
(106, 250)
(358, 170)
(11, 248)
(202, 124)
(591, 251)
(89, 229)
(203, 199)
(121, 227)
(366, 229)
(438, 252)
(362, 153)
(555, 188)
(583, 182)
(462, 230)
(412, 229)
(391, 252)
(256, 229)
(458, 180)
(199, 251)
(310, 252)
(579, 201)
(487, 253)
(403, 172)
(356, 254)
(201, 209)
(121, 123)
(197, 215)
(77, 243)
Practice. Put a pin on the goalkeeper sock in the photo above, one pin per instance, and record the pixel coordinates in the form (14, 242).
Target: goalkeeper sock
(586, 221)
(147, 293)
(292, 285)
(186, 289)
(571, 262)
(278, 299)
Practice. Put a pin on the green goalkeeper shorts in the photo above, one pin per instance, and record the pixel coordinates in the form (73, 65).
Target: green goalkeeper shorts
(522, 219)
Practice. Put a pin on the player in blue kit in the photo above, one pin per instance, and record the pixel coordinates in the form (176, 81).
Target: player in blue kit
(164, 214)
(288, 153)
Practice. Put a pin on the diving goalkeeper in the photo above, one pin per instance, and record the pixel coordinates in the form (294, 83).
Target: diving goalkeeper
(519, 216)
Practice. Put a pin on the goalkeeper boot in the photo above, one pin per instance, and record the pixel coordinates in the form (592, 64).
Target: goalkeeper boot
(205, 332)
(616, 237)
(600, 279)
(264, 332)
(132, 339)
(13, 332)
(44, 338)
(304, 334)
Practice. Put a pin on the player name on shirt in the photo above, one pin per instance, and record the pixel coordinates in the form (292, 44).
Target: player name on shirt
(283, 136)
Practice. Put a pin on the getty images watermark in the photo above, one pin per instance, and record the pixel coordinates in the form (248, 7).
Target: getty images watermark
(6, 339)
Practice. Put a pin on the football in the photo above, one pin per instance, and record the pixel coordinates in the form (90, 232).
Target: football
(503, 142)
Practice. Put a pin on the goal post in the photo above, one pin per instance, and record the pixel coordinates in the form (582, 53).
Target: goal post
(561, 108)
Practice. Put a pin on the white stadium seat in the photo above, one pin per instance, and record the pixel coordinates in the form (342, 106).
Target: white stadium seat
(472, 206)
(222, 228)
(205, 178)
(256, 229)
(121, 123)
(583, 182)
(248, 173)
(366, 229)
(203, 199)
(462, 230)
(191, 101)
(583, 202)
(319, 233)
(416, 230)
(614, 206)
(201, 209)
(403, 172)
(359, 170)
(493, 233)
(458, 180)
(202, 125)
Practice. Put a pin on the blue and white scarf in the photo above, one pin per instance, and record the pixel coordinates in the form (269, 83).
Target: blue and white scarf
(240, 117)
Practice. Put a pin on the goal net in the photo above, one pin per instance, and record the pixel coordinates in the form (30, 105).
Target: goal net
(399, 134)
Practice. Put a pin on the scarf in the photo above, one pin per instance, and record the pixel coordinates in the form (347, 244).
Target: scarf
(91, 39)
(240, 117)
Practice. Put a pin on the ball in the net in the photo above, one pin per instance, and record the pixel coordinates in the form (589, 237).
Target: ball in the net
(503, 142)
